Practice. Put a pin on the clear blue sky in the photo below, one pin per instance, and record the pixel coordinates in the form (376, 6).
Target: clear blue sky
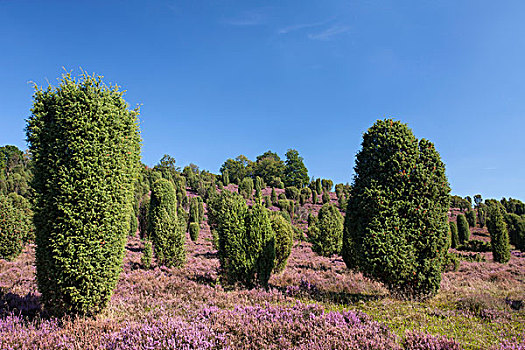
(221, 78)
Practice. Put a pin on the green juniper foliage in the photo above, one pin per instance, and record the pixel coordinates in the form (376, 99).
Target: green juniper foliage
(226, 178)
(471, 218)
(133, 223)
(292, 192)
(194, 210)
(516, 228)
(165, 229)
(245, 239)
(85, 146)
(283, 240)
(499, 237)
(15, 227)
(274, 197)
(144, 215)
(326, 197)
(194, 231)
(147, 255)
(327, 184)
(396, 227)
(318, 186)
(454, 238)
(201, 209)
(246, 187)
(463, 229)
(326, 234)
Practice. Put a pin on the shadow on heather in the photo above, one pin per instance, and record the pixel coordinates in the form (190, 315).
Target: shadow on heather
(27, 306)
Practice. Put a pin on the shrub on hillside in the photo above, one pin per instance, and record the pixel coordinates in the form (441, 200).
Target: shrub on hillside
(195, 215)
(396, 227)
(326, 235)
(147, 255)
(475, 245)
(283, 204)
(454, 238)
(314, 197)
(245, 240)
(133, 224)
(463, 229)
(516, 229)
(326, 197)
(85, 148)
(144, 216)
(284, 232)
(246, 187)
(12, 229)
(327, 184)
(318, 186)
(292, 193)
(471, 218)
(499, 238)
(165, 229)
(267, 202)
(194, 231)
(274, 197)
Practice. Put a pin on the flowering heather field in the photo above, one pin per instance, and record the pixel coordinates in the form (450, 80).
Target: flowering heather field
(315, 303)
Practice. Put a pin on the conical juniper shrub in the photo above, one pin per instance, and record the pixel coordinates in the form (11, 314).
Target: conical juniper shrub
(194, 231)
(463, 229)
(144, 216)
(245, 239)
(12, 229)
(516, 229)
(471, 218)
(283, 240)
(499, 237)
(165, 230)
(326, 235)
(85, 147)
(396, 223)
(454, 239)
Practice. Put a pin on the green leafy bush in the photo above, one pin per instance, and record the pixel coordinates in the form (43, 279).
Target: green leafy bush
(475, 245)
(396, 226)
(246, 187)
(284, 233)
(194, 210)
(13, 229)
(516, 229)
(85, 147)
(147, 255)
(274, 197)
(194, 231)
(133, 224)
(454, 238)
(295, 172)
(499, 237)
(314, 197)
(326, 197)
(165, 229)
(471, 218)
(284, 205)
(245, 239)
(326, 234)
(144, 215)
(292, 193)
(327, 184)
(267, 202)
(463, 229)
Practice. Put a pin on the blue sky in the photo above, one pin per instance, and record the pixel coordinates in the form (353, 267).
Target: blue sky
(216, 79)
